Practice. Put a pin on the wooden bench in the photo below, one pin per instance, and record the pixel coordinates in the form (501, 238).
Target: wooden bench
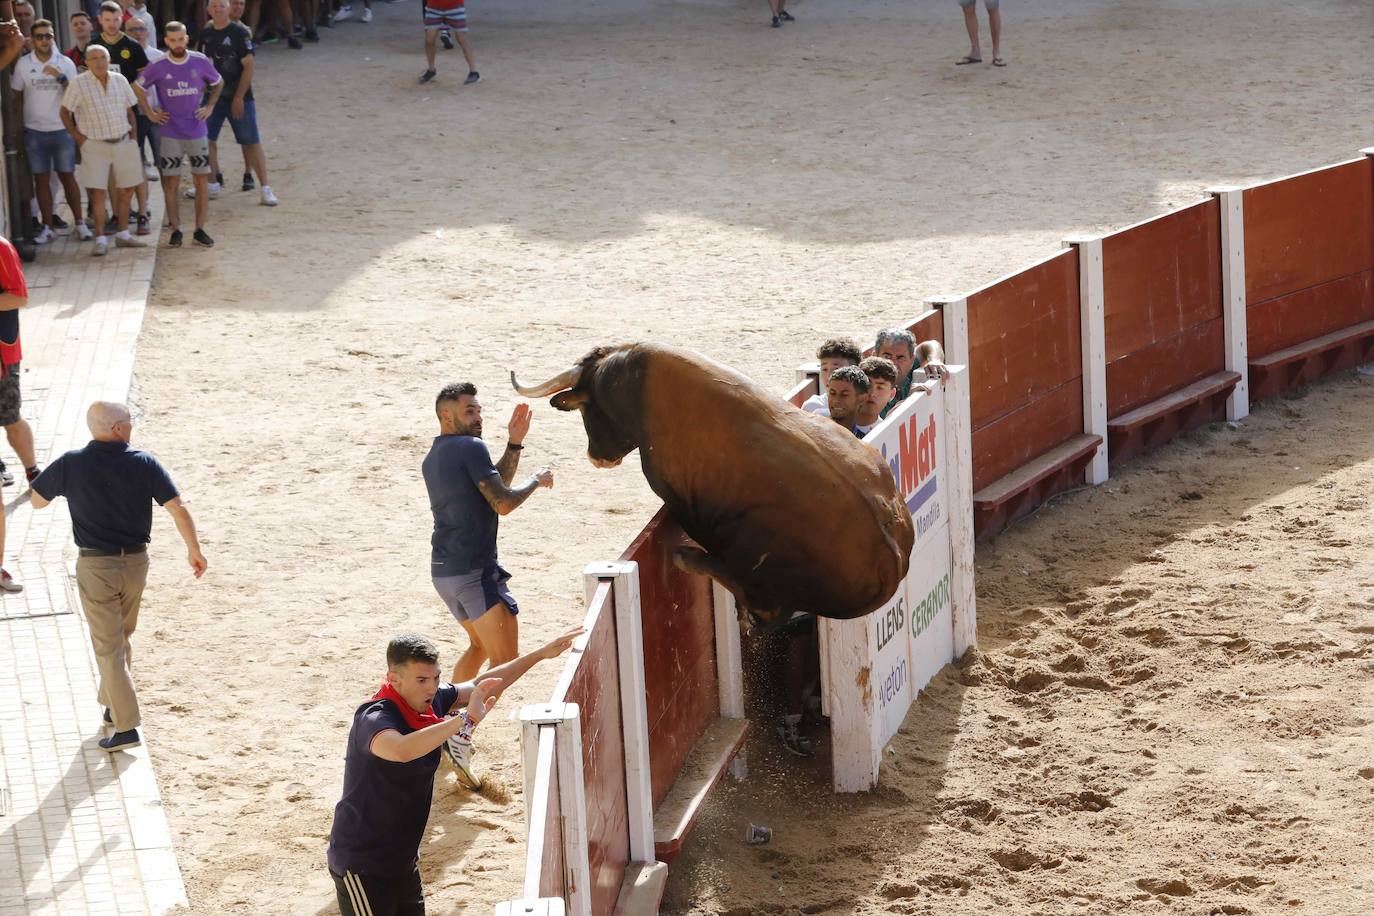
(1157, 422)
(1004, 500)
(703, 768)
(1308, 361)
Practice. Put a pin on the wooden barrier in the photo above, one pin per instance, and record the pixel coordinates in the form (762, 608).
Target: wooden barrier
(1309, 275)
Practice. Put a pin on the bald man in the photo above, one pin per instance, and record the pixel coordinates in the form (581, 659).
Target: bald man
(110, 489)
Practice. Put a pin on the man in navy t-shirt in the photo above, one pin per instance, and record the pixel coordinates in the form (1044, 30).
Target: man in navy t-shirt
(389, 767)
(466, 494)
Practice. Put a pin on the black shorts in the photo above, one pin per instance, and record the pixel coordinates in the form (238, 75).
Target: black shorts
(10, 401)
(363, 895)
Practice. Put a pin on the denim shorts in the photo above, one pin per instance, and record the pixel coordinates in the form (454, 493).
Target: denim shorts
(472, 594)
(245, 128)
(50, 151)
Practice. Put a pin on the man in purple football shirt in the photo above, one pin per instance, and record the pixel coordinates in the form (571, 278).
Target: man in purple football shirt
(181, 79)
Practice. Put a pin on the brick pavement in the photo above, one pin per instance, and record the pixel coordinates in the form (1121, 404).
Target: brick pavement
(81, 830)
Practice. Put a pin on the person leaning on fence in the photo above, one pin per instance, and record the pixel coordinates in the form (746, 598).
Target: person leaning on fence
(389, 766)
(899, 346)
(882, 388)
(834, 353)
(847, 390)
(98, 112)
(110, 488)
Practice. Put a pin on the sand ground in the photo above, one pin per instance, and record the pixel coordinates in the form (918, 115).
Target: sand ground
(1195, 668)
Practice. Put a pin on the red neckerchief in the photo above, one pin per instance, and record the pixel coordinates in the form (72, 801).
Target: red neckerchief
(416, 720)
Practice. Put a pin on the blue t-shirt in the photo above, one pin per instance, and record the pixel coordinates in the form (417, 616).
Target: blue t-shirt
(110, 489)
(464, 522)
(380, 819)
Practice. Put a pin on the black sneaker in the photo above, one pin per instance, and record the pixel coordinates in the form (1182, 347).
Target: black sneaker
(247, 181)
(473, 77)
(202, 238)
(312, 36)
(786, 16)
(174, 240)
(427, 76)
(31, 474)
(121, 741)
(777, 23)
(294, 43)
(6, 478)
(58, 222)
(446, 40)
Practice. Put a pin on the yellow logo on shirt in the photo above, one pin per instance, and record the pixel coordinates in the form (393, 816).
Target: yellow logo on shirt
(124, 54)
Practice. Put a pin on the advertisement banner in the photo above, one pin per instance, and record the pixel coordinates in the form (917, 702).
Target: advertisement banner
(911, 441)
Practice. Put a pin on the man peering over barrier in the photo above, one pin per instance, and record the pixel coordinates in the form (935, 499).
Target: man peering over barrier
(899, 346)
(833, 354)
(846, 393)
(882, 389)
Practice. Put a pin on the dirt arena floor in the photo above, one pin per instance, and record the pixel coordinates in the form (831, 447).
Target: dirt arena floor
(1171, 707)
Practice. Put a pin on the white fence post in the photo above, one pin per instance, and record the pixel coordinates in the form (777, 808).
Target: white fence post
(1093, 323)
(1230, 201)
(634, 714)
(551, 906)
(954, 319)
(572, 796)
(959, 458)
(729, 668)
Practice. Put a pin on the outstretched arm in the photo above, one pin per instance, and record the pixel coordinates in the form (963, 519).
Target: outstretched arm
(505, 500)
(512, 671)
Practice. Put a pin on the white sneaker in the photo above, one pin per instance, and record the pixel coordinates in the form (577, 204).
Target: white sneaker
(150, 172)
(44, 236)
(367, 15)
(83, 231)
(102, 247)
(460, 755)
(268, 198)
(190, 193)
(345, 12)
(9, 583)
(214, 190)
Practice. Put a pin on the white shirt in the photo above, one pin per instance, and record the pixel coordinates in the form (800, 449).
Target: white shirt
(141, 12)
(817, 404)
(42, 91)
(151, 91)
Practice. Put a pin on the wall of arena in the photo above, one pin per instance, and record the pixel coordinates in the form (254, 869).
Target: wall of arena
(1084, 360)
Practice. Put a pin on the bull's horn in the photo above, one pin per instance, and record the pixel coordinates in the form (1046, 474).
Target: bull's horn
(554, 385)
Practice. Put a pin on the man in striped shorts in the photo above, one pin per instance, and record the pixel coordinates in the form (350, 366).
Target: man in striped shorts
(444, 18)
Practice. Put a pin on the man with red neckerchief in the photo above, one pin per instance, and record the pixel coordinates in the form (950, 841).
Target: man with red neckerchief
(389, 766)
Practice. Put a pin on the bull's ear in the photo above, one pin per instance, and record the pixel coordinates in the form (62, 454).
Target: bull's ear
(569, 400)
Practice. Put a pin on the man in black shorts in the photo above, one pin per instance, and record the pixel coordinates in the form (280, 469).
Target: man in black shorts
(389, 767)
(14, 295)
(466, 494)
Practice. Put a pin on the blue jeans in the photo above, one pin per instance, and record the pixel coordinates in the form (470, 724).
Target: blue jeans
(245, 128)
(50, 151)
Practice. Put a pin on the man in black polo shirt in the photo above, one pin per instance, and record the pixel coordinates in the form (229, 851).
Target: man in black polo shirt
(110, 489)
(389, 767)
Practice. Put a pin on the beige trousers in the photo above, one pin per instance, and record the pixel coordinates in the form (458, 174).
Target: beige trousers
(111, 588)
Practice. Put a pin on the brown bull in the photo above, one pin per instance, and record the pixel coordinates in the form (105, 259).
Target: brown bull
(793, 512)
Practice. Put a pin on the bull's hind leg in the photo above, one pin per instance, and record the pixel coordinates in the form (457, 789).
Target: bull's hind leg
(696, 560)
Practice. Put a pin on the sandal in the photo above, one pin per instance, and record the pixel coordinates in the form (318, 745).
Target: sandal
(998, 62)
(968, 59)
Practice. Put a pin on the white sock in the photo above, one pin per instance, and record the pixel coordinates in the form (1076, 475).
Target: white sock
(100, 238)
(122, 234)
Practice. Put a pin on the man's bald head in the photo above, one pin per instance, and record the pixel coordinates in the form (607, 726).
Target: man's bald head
(109, 421)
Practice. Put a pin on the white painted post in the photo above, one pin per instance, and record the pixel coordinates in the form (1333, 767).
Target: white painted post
(959, 459)
(808, 371)
(954, 311)
(634, 713)
(729, 668)
(572, 793)
(532, 715)
(549, 906)
(1093, 322)
(1230, 202)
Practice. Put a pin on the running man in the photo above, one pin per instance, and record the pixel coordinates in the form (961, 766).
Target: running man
(389, 767)
(181, 78)
(451, 18)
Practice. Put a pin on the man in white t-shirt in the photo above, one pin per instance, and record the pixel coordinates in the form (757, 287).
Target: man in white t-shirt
(834, 353)
(39, 80)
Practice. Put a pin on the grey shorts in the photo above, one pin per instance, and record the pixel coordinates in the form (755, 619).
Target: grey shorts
(471, 595)
(172, 151)
(990, 4)
(10, 399)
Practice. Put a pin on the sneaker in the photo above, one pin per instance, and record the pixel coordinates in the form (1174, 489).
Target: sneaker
(121, 741)
(59, 223)
(294, 43)
(143, 227)
(44, 236)
(8, 582)
(786, 16)
(459, 754)
(345, 12)
(150, 172)
(446, 39)
(789, 733)
(83, 232)
(174, 240)
(128, 241)
(102, 247)
(312, 36)
(268, 198)
(214, 190)
(202, 238)
(777, 23)
(190, 193)
(248, 181)
(367, 15)
(473, 77)
(6, 476)
(427, 76)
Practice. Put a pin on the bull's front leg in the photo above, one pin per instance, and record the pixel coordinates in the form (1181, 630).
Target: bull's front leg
(696, 560)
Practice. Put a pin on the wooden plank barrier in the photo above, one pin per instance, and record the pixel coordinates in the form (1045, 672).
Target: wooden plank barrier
(1164, 329)
(1309, 275)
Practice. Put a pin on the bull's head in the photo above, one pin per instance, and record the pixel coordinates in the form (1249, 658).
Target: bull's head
(605, 388)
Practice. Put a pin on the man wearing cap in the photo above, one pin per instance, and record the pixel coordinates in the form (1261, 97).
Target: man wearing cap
(110, 489)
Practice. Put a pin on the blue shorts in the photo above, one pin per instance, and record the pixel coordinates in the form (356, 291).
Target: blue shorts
(245, 128)
(472, 594)
(50, 151)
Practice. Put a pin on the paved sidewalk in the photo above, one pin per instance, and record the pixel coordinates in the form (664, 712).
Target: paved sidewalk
(81, 830)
